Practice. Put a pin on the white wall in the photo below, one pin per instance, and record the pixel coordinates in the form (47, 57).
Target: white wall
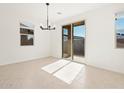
(10, 17)
(100, 38)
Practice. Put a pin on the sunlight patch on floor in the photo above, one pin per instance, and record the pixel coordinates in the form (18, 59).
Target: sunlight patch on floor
(64, 70)
(51, 68)
(69, 72)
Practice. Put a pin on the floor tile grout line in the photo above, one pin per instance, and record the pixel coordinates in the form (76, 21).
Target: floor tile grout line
(61, 68)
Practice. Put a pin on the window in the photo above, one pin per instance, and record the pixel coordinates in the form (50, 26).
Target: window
(119, 23)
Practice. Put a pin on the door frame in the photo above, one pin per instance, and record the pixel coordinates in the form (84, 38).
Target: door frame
(71, 23)
(71, 41)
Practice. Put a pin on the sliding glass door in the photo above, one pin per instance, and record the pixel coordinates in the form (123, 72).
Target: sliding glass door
(73, 41)
(66, 42)
(78, 30)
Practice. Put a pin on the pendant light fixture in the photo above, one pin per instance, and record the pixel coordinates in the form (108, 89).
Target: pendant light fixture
(48, 27)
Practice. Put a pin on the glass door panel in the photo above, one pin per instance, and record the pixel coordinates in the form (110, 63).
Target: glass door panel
(66, 42)
(78, 40)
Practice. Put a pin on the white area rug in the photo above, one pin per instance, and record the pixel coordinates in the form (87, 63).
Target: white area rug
(69, 72)
(55, 66)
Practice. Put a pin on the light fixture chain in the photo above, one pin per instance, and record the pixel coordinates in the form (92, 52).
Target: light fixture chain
(48, 25)
(47, 17)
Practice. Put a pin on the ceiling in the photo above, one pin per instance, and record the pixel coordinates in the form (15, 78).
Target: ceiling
(68, 10)
(37, 11)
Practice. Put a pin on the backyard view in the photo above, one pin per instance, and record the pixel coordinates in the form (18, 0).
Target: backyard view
(78, 39)
(120, 32)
